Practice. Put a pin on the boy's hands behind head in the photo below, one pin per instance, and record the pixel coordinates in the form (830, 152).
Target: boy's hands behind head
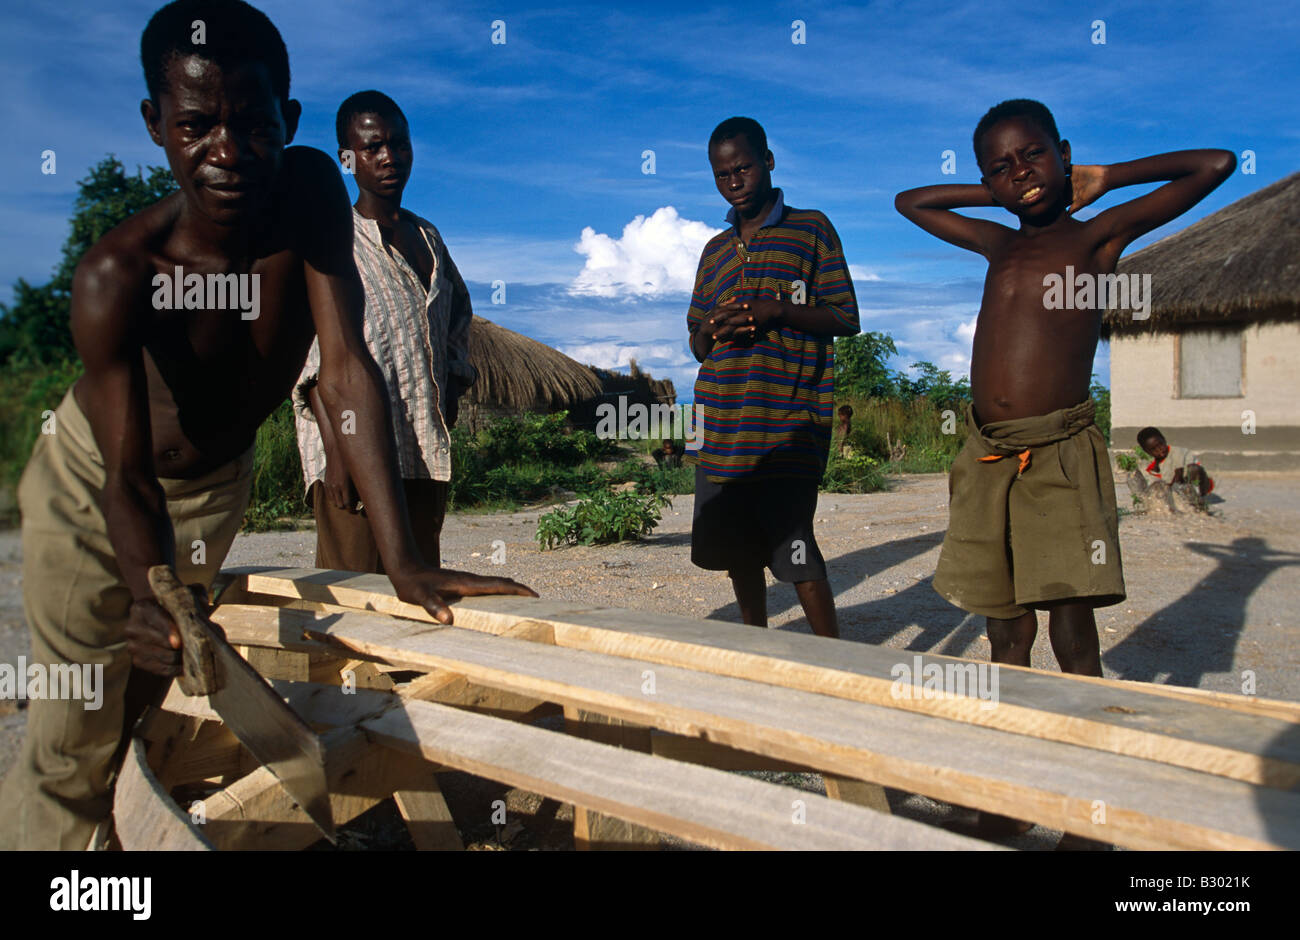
(1087, 185)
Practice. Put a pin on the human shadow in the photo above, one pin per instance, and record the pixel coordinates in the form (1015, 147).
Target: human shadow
(1198, 632)
(895, 611)
(1279, 805)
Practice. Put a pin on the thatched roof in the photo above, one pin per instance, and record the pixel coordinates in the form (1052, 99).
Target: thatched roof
(521, 374)
(640, 385)
(1239, 265)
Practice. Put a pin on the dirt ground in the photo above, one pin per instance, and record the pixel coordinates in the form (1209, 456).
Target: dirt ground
(1210, 604)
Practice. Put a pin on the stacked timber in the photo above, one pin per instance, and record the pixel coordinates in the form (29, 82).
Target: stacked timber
(658, 708)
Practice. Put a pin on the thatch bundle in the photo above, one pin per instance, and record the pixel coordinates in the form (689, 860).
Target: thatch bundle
(1240, 265)
(516, 373)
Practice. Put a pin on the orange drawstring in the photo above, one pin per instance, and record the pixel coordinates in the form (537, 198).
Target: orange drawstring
(1023, 456)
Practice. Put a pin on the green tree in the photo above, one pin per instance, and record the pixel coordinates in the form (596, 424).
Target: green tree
(860, 369)
(35, 328)
(1101, 395)
(935, 384)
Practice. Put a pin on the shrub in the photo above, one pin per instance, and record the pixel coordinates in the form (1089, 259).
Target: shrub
(540, 438)
(277, 474)
(605, 517)
(906, 436)
(26, 392)
(857, 473)
(523, 458)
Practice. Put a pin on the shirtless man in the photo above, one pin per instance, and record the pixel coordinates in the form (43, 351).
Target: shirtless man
(150, 462)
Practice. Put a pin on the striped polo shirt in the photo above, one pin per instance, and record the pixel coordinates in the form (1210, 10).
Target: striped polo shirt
(766, 406)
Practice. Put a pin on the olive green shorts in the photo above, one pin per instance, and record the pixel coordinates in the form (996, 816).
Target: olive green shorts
(1032, 517)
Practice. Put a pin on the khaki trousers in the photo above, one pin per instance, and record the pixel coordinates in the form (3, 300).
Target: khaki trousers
(76, 603)
(344, 541)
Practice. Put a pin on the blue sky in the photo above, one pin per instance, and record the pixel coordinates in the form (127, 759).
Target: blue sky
(529, 154)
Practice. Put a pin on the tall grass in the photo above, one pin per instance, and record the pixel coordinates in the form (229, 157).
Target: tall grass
(277, 475)
(906, 436)
(26, 393)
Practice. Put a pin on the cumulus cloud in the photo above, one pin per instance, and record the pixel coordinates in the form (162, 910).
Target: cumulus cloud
(614, 355)
(966, 331)
(653, 257)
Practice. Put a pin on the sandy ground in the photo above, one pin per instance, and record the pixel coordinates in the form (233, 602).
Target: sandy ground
(1210, 599)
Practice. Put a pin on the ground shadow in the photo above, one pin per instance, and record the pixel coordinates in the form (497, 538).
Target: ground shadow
(1277, 806)
(874, 621)
(1198, 633)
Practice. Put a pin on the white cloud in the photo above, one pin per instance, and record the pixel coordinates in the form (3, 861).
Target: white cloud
(859, 273)
(966, 331)
(655, 256)
(612, 355)
(660, 360)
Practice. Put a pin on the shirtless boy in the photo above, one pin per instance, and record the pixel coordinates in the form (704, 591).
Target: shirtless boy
(1032, 520)
(152, 452)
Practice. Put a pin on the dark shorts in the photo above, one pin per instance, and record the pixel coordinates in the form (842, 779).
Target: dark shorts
(757, 524)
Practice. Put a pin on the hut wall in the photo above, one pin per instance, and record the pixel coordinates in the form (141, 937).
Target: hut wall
(1144, 375)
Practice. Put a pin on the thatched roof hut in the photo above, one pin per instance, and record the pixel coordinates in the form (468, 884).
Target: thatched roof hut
(1240, 265)
(1214, 364)
(518, 374)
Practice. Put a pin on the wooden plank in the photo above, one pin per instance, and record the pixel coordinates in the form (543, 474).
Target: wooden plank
(428, 818)
(214, 752)
(718, 756)
(857, 792)
(359, 673)
(1119, 718)
(1144, 804)
(257, 813)
(594, 831)
(705, 806)
(144, 816)
(1245, 704)
(279, 664)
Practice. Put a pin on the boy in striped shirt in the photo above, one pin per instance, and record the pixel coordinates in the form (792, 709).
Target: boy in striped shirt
(771, 293)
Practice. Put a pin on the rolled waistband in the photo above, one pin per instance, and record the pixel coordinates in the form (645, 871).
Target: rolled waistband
(1014, 435)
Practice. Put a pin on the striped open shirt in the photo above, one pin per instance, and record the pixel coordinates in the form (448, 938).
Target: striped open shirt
(766, 407)
(416, 337)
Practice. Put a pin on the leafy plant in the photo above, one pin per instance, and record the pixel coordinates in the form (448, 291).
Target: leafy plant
(856, 473)
(26, 393)
(1101, 395)
(860, 369)
(605, 517)
(35, 328)
(277, 474)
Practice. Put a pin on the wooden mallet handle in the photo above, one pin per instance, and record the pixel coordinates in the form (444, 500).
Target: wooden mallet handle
(200, 674)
